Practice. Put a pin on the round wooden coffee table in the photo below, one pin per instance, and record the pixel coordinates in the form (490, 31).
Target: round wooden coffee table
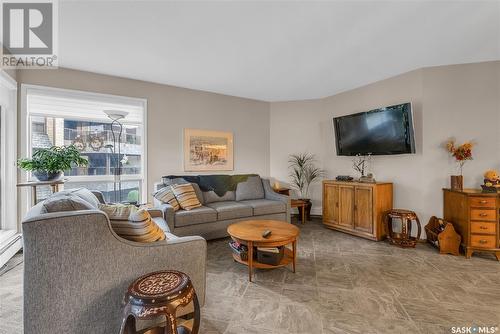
(249, 233)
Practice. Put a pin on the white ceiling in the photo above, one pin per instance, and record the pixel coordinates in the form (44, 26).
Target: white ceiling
(274, 51)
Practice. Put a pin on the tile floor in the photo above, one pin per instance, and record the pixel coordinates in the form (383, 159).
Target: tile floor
(343, 284)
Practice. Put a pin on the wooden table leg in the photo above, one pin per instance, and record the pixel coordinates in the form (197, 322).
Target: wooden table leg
(34, 200)
(468, 253)
(294, 252)
(303, 214)
(250, 259)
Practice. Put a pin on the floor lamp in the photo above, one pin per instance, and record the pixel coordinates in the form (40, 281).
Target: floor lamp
(115, 116)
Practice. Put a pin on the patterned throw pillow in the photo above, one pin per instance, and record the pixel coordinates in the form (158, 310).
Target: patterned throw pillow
(186, 196)
(139, 227)
(166, 195)
(118, 211)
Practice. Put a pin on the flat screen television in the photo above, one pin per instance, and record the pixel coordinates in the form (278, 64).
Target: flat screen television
(382, 131)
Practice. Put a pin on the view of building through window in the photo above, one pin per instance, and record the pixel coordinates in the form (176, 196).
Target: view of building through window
(93, 140)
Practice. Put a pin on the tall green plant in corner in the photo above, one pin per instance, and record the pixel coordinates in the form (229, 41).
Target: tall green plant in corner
(303, 172)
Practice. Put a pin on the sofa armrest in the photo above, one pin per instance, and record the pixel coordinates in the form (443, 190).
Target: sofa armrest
(168, 212)
(269, 193)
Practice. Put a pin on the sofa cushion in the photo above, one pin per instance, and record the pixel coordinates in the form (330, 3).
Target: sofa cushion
(250, 189)
(186, 196)
(86, 195)
(82, 193)
(265, 206)
(171, 181)
(212, 197)
(231, 210)
(195, 216)
(166, 196)
(199, 193)
(65, 202)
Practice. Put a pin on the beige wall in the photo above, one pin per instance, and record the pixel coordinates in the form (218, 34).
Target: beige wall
(457, 100)
(170, 110)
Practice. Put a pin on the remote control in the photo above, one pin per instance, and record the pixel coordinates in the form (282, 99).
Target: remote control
(266, 234)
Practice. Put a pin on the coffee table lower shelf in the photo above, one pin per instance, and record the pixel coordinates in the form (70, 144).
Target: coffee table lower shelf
(286, 260)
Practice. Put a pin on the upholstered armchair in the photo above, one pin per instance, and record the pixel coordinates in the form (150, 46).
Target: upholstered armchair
(77, 269)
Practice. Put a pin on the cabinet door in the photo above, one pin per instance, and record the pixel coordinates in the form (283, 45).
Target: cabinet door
(363, 210)
(346, 206)
(331, 203)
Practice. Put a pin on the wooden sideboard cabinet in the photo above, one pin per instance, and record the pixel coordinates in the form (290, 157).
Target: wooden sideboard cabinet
(357, 208)
(475, 217)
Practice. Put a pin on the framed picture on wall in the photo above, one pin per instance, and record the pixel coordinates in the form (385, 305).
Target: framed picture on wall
(206, 150)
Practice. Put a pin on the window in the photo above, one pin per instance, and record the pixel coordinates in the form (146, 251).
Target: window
(63, 117)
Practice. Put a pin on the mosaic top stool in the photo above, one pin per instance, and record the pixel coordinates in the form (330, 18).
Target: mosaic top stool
(406, 217)
(160, 294)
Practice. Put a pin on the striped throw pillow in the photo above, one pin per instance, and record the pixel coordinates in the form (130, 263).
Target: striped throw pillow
(139, 227)
(186, 196)
(166, 195)
(118, 211)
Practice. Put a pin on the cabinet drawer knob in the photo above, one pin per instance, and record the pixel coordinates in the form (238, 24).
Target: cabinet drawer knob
(482, 241)
(483, 227)
(483, 214)
(483, 201)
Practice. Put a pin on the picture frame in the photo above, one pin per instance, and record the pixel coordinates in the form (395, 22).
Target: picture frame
(208, 150)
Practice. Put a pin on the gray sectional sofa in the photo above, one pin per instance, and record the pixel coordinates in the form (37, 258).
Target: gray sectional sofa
(251, 199)
(77, 269)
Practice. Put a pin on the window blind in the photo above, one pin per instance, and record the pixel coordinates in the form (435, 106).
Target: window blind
(82, 105)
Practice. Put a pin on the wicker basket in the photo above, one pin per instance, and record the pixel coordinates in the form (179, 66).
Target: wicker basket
(243, 254)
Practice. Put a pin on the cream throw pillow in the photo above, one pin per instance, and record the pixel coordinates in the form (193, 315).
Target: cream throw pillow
(133, 224)
(118, 211)
(186, 196)
(166, 195)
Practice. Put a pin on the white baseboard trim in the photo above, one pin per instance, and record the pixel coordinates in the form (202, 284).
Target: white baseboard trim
(10, 247)
(314, 211)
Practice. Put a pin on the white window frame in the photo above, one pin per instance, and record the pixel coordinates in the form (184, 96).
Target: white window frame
(11, 229)
(26, 140)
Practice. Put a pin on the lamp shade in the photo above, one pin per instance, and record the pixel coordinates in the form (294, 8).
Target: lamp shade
(116, 114)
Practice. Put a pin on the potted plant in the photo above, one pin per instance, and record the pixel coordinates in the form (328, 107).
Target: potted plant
(303, 173)
(461, 154)
(48, 164)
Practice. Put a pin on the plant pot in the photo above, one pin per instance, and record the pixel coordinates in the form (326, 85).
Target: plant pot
(457, 182)
(308, 208)
(41, 175)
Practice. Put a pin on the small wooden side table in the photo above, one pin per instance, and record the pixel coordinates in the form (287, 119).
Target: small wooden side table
(160, 294)
(298, 203)
(54, 185)
(406, 217)
(283, 191)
